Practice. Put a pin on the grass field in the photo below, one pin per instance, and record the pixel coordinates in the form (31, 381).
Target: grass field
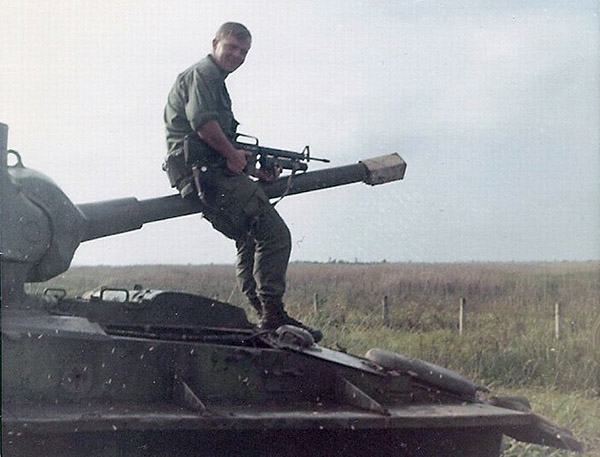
(508, 342)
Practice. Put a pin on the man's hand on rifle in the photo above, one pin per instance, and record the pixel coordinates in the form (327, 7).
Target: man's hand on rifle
(264, 175)
(212, 135)
(237, 159)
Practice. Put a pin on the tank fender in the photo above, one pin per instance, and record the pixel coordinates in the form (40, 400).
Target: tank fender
(541, 431)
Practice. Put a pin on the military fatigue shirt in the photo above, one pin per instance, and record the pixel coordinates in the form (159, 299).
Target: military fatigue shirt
(198, 96)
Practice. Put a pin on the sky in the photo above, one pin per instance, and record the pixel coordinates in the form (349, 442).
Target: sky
(495, 107)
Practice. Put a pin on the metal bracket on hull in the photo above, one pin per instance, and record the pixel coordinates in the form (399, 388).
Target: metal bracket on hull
(188, 397)
(349, 394)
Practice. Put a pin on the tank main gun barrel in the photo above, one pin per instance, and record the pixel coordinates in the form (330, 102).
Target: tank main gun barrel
(378, 170)
(123, 215)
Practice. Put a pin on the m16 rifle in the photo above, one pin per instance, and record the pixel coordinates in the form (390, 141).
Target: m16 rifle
(267, 159)
(187, 167)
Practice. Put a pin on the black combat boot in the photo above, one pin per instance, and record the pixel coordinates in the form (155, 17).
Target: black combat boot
(257, 305)
(274, 316)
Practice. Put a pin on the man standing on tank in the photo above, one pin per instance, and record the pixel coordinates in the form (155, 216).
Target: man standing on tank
(199, 104)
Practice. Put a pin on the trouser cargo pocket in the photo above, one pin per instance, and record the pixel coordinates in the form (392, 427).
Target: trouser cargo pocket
(238, 200)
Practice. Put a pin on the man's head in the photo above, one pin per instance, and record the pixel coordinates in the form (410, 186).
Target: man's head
(231, 45)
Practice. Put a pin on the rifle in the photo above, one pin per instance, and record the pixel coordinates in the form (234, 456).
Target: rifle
(186, 167)
(268, 158)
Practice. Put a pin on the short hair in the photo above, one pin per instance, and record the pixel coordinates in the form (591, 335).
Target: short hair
(235, 29)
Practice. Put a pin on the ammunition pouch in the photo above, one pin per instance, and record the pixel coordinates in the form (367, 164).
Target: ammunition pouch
(189, 168)
(204, 162)
(196, 151)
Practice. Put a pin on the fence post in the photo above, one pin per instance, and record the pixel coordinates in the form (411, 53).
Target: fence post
(461, 315)
(557, 320)
(316, 303)
(385, 310)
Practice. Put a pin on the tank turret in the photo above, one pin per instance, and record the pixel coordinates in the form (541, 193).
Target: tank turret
(42, 228)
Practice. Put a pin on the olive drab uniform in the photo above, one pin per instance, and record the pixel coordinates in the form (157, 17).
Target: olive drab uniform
(238, 207)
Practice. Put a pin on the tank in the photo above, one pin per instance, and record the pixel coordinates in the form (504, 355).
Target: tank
(146, 372)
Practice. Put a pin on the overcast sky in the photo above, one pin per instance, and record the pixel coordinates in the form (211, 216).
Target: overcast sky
(495, 108)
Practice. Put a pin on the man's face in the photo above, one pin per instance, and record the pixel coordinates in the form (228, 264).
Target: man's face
(230, 52)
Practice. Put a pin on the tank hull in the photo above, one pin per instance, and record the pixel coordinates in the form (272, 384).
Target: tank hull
(128, 385)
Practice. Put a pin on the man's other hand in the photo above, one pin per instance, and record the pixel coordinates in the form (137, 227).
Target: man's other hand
(264, 175)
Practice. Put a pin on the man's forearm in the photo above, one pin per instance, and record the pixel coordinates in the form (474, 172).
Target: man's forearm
(212, 134)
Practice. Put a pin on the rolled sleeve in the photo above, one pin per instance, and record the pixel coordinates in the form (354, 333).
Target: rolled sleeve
(202, 105)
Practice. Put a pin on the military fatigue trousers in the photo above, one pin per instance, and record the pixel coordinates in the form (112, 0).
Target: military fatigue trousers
(242, 212)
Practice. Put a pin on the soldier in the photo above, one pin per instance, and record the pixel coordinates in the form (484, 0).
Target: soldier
(199, 106)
